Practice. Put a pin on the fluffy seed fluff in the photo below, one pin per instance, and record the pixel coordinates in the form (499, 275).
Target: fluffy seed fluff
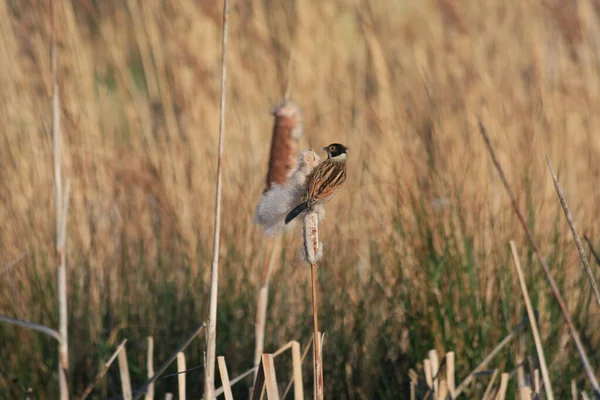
(277, 201)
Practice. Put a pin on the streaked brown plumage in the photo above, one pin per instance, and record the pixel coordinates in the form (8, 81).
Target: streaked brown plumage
(324, 181)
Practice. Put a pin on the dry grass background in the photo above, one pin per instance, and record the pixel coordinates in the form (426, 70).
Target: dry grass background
(416, 247)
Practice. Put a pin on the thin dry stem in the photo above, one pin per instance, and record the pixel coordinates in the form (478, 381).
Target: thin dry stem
(574, 334)
(103, 371)
(12, 263)
(211, 333)
(30, 325)
(488, 389)
(489, 358)
(532, 323)
(596, 257)
(166, 364)
(565, 207)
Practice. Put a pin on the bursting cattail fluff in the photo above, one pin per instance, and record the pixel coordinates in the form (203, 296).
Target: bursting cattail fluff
(276, 202)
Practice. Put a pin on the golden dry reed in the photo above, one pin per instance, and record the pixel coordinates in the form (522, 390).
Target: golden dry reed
(416, 241)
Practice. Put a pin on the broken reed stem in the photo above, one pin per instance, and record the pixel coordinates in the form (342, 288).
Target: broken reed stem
(124, 372)
(503, 386)
(318, 366)
(103, 371)
(574, 334)
(225, 378)
(181, 375)
(211, 333)
(150, 368)
(532, 323)
(565, 207)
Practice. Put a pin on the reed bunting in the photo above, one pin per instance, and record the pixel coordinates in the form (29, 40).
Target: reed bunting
(324, 181)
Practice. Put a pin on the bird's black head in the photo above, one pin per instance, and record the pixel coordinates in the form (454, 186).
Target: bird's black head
(335, 149)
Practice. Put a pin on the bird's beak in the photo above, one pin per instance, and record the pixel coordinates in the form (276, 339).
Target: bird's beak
(325, 148)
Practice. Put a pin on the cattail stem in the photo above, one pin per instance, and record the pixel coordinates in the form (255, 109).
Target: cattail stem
(318, 367)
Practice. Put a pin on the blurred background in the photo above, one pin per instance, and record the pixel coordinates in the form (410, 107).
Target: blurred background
(416, 252)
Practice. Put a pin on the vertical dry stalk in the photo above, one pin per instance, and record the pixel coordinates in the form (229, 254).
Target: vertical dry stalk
(318, 364)
(211, 333)
(565, 207)
(61, 218)
(567, 316)
(150, 368)
(532, 323)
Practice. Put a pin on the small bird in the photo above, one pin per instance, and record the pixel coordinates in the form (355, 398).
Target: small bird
(324, 181)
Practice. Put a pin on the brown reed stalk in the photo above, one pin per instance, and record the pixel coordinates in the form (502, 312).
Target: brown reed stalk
(555, 290)
(211, 333)
(565, 207)
(532, 323)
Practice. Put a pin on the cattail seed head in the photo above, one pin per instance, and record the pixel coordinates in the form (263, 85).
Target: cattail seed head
(313, 249)
(286, 131)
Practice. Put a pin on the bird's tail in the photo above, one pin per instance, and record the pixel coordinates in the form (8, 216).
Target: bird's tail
(296, 211)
